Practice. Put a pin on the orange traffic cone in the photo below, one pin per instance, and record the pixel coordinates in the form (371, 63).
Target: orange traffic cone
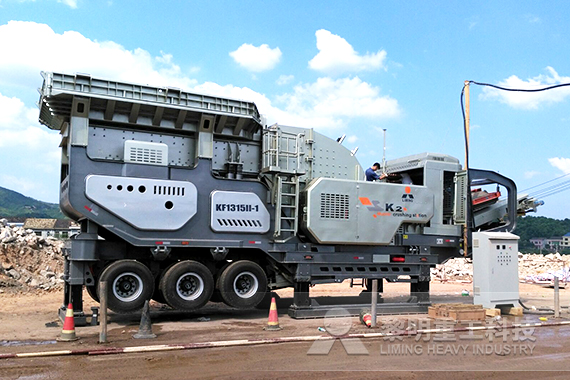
(273, 320)
(366, 318)
(68, 332)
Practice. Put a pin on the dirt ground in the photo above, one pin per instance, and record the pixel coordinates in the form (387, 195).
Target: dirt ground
(29, 323)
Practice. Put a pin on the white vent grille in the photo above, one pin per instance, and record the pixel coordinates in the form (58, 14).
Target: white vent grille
(149, 153)
(334, 206)
(176, 191)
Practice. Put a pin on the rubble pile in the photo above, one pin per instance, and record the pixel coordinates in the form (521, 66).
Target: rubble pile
(532, 268)
(540, 268)
(28, 261)
(454, 269)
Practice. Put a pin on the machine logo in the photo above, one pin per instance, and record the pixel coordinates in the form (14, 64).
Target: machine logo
(392, 209)
(387, 210)
(408, 196)
(372, 205)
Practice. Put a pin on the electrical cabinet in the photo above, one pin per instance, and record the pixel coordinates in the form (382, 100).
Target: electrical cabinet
(495, 269)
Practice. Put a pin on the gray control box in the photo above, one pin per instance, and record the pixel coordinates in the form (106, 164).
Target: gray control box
(495, 269)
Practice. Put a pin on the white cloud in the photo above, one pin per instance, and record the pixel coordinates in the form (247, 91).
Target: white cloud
(561, 163)
(533, 19)
(256, 58)
(71, 3)
(19, 127)
(530, 100)
(351, 139)
(326, 104)
(14, 114)
(76, 53)
(18, 184)
(284, 79)
(346, 97)
(531, 174)
(30, 153)
(337, 56)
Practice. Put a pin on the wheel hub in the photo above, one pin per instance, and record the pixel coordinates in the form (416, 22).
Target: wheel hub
(127, 286)
(245, 284)
(189, 286)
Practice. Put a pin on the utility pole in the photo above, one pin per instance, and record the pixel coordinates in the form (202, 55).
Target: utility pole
(384, 152)
(466, 168)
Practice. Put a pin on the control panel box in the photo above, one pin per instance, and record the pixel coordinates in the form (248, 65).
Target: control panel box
(495, 269)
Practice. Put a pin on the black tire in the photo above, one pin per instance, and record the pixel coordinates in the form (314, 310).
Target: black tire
(129, 284)
(217, 295)
(92, 291)
(157, 295)
(243, 284)
(187, 285)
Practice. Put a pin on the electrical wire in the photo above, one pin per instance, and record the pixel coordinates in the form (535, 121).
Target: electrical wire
(555, 189)
(544, 183)
(520, 89)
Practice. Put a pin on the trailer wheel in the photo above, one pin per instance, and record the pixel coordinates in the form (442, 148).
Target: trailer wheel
(92, 291)
(187, 285)
(243, 284)
(157, 295)
(129, 284)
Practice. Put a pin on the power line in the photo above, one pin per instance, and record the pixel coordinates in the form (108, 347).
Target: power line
(520, 89)
(544, 183)
(552, 189)
(555, 189)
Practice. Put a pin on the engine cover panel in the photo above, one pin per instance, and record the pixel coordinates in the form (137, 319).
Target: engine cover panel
(146, 204)
(341, 211)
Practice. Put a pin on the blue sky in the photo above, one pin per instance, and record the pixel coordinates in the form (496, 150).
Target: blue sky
(342, 67)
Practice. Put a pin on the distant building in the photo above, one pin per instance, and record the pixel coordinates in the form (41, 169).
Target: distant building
(566, 241)
(59, 228)
(552, 244)
(538, 242)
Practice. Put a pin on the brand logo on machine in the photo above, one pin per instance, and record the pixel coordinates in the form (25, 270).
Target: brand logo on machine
(390, 209)
(371, 205)
(408, 196)
(387, 210)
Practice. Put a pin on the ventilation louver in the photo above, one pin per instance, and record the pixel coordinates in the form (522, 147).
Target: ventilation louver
(334, 206)
(149, 153)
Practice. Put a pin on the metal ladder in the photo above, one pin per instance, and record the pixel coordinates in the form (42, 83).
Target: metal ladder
(282, 159)
(286, 207)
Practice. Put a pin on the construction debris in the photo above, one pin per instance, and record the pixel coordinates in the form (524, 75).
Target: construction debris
(533, 268)
(28, 261)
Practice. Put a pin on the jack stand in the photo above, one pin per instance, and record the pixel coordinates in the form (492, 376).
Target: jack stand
(94, 316)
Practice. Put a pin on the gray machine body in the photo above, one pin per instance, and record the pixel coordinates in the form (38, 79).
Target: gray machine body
(495, 269)
(158, 175)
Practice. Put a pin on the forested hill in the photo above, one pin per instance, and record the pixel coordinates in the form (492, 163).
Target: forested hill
(14, 205)
(539, 226)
